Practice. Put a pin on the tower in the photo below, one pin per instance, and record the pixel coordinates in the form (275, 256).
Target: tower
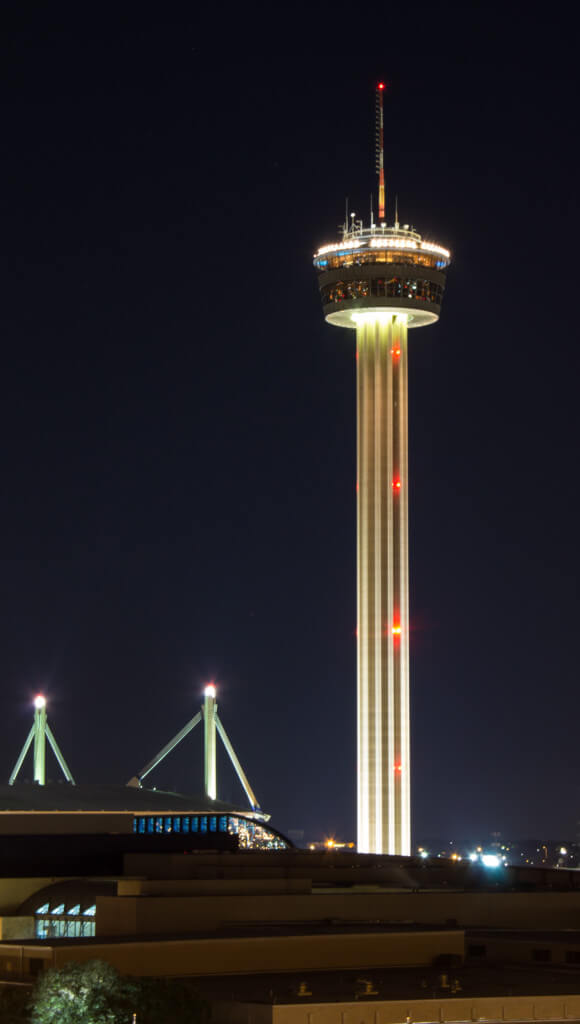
(381, 281)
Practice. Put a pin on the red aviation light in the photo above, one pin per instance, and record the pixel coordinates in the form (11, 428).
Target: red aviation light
(395, 352)
(396, 630)
(396, 484)
(381, 85)
(398, 767)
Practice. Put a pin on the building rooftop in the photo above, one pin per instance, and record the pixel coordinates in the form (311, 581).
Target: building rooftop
(63, 797)
(389, 984)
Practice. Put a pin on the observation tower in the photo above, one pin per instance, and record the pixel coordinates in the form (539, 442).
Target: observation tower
(381, 281)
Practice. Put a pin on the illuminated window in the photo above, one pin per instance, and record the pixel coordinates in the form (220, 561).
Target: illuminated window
(418, 290)
(403, 257)
(253, 836)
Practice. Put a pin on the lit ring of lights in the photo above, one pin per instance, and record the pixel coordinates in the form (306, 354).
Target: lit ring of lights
(351, 317)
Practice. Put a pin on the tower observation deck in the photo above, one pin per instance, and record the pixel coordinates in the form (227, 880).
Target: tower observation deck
(381, 281)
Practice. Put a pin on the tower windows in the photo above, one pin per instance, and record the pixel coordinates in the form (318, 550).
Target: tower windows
(419, 290)
(399, 256)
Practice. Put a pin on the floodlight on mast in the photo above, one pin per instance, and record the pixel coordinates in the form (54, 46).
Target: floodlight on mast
(212, 727)
(40, 732)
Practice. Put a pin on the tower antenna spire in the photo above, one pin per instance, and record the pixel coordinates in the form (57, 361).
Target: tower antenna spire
(380, 149)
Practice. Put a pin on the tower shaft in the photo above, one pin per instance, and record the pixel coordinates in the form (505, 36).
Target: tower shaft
(382, 585)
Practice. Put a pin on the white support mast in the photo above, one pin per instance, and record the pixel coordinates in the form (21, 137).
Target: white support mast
(239, 770)
(138, 779)
(212, 726)
(40, 733)
(209, 743)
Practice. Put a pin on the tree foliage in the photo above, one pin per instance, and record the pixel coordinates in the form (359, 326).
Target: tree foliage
(90, 993)
(95, 993)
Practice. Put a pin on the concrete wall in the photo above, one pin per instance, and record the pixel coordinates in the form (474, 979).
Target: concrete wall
(520, 1008)
(243, 955)
(23, 962)
(12, 928)
(520, 949)
(211, 886)
(64, 823)
(13, 891)
(139, 915)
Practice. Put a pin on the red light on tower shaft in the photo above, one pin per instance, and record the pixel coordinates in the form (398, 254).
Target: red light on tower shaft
(396, 484)
(396, 630)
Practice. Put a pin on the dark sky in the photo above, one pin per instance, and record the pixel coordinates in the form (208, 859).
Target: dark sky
(178, 422)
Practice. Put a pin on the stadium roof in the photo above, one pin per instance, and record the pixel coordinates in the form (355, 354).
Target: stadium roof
(63, 797)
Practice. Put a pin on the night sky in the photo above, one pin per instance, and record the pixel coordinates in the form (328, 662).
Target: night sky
(178, 422)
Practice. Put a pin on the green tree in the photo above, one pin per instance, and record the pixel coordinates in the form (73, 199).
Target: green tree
(90, 993)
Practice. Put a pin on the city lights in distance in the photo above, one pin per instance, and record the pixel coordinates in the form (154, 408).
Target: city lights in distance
(490, 860)
(39, 702)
